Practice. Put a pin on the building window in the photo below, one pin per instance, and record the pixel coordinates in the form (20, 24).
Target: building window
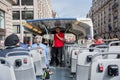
(109, 9)
(95, 31)
(27, 14)
(17, 3)
(104, 21)
(115, 17)
(16, 15)
(16, 28)
(109, 27)
(109, 20)
(2, 20)
(27, 2)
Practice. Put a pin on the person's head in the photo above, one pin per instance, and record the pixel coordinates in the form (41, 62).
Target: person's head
(38, 39)
(11, 40)
(57, 29)
(96, 37)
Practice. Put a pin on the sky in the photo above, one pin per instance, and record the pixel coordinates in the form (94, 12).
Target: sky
(71, 8)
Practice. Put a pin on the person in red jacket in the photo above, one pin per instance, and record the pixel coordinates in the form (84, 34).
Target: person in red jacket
(58, 46)
(98, 40)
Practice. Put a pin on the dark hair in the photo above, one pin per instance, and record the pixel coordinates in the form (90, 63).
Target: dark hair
(11, 40)
(57, 27)
(96, 37)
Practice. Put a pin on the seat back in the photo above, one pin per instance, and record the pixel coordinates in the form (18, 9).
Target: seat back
(105, 69)
(23, 65)
(7, 71)
(83, 64)
(114, 47)
(36, 55)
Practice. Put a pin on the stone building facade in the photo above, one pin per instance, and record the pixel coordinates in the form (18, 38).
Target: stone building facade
(5, 19)
(105, 15)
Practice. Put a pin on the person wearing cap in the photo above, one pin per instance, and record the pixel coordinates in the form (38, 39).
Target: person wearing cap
(12, 44)
(58, 44)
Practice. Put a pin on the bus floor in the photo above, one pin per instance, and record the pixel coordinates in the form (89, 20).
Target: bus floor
(59, 73)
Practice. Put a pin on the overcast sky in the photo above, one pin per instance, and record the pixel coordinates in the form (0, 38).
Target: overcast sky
(71, 8)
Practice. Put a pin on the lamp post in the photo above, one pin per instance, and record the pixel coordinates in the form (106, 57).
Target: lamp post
(25, 18)
(25, 9)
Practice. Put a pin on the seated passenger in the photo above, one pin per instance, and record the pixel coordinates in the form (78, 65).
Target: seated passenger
(12, 44)
(38, 43)
(98, 40)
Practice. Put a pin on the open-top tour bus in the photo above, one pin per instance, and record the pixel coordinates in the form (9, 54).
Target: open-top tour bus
(75, 29)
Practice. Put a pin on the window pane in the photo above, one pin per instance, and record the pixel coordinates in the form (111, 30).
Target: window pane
(2, 20)
(2, 13)
(16, 15)
(16, 28)
(27, 2)
(17, 3)
(27, 14)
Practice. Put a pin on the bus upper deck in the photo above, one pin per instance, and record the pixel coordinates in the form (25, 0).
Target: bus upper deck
(80, 27)
(103, 61)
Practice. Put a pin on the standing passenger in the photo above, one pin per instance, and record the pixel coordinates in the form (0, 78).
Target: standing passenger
(58, 46)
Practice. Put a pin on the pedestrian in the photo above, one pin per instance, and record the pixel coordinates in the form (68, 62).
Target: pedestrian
(58, 43)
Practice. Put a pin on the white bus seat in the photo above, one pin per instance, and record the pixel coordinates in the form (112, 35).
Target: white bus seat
(7, 71)
(114, 48)
(23, 65)
(110, 68)
(74, 54)
(83, 64)
(67, 55)
(37, 61)
(43, 60)
(103, 48)
(70, 48)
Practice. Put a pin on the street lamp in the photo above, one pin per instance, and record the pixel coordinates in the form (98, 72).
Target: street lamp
(25, 18)
(25, 9)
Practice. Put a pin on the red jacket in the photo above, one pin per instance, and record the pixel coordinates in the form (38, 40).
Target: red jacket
(57, 41)
(99, 41)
